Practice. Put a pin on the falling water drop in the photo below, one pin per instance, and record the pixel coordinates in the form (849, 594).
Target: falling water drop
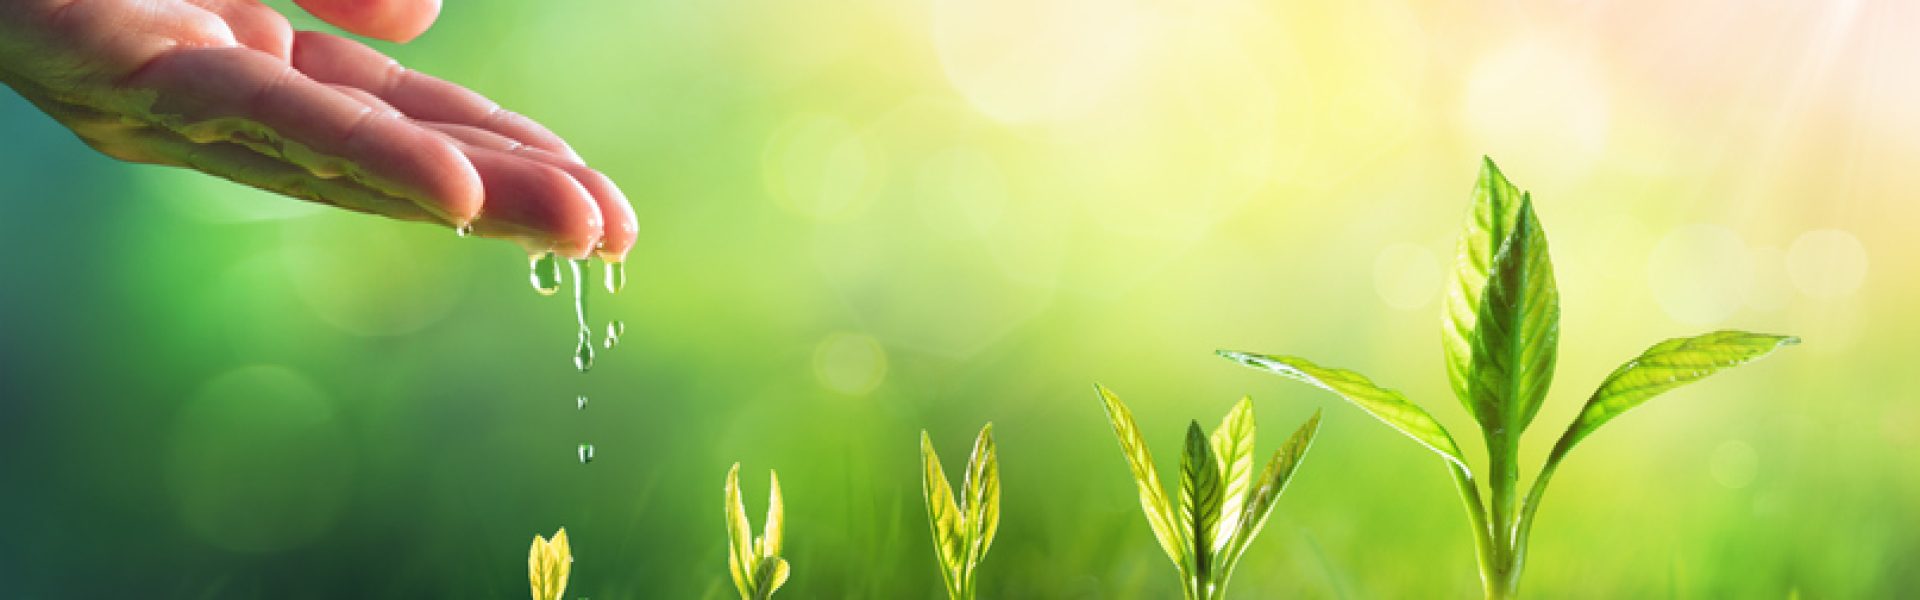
(545, 273)
(580, 402)
(616, 276)
(614, 329)
(586, 453)
(463, 229)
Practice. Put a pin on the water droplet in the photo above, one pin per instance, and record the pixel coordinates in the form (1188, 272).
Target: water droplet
(586, 453)
(580, 402)
(614, 329)
(616, 276)
(545, 273)
(583, 355)
(463, 229)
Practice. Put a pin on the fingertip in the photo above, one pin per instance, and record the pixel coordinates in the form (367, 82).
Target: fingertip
(392, 20)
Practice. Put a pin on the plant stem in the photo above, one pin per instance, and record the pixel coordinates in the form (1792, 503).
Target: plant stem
(1485, 551)
(1503, 478)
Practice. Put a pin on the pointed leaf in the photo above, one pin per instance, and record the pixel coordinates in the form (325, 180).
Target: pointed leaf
(982, 496)
(772, 536)
(1386, 405)
(1666, 365)
(1200, 494)
(1496, 205)
(741, 560)
(1517, 335)
(942, 514)
(1273, 480)
(1233, 448)
(548, 564)
(1153, 500)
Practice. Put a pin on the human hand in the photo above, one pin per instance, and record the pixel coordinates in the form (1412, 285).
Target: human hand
(229, 88)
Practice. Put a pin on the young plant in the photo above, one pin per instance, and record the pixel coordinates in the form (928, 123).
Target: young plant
(1501, 328)
(962, 531)
(1222, 503)
(755, 562)
(548, 564)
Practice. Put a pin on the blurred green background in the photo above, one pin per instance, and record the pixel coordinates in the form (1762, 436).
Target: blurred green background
(866, 217)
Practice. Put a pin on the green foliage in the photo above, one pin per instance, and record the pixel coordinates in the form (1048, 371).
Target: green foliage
(1500, 332)
(755, 563)
(1222, 504)
(963, 530)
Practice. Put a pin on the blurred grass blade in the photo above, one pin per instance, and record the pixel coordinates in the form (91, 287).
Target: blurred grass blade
(1384, 404)
(1517, 334)
(982, 487)
(1273, 480)
(549, 562)
(942, 515)
(1233, 447)
(742, 562)
(1496, 205)
(1200, 491)
(1153, 500)
(1666, 365)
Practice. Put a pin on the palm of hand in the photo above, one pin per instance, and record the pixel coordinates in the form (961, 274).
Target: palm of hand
(229, 88)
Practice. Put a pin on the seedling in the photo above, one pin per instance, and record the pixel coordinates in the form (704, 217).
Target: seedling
(1222, 504)
(755, 562)
(548, 564)
(962, 531)
(1501, 329)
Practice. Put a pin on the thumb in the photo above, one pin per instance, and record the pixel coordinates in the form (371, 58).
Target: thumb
(393, 20)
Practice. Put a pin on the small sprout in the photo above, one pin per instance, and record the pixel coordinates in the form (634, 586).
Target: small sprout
(1222, 505)
(962, 531)
(548, 564)
(1501, 333)
(758, 571)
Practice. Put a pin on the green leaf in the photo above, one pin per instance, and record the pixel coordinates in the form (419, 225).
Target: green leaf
(982, 487)
(741, 560)
(1153, 500)
(1233, 447)
(1200, 496)
(769, 577)
(771, 535)
(1386, 405)
(943, 515)
(1517, 335)
(1666, 365)
(1273, 480)
(1496, 206)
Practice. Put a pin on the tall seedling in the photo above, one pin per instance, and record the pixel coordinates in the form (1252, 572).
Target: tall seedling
(755, 562)
(1501, 329)
(963, 530)
(1222, 503)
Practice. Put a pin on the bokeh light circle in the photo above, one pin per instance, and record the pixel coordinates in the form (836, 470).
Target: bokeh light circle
(364, 276)
(1734, 464)
(1700, 274)
(849, 363)
(1827, 263)
(821, 167)
(1406, 276)
(257, 461)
